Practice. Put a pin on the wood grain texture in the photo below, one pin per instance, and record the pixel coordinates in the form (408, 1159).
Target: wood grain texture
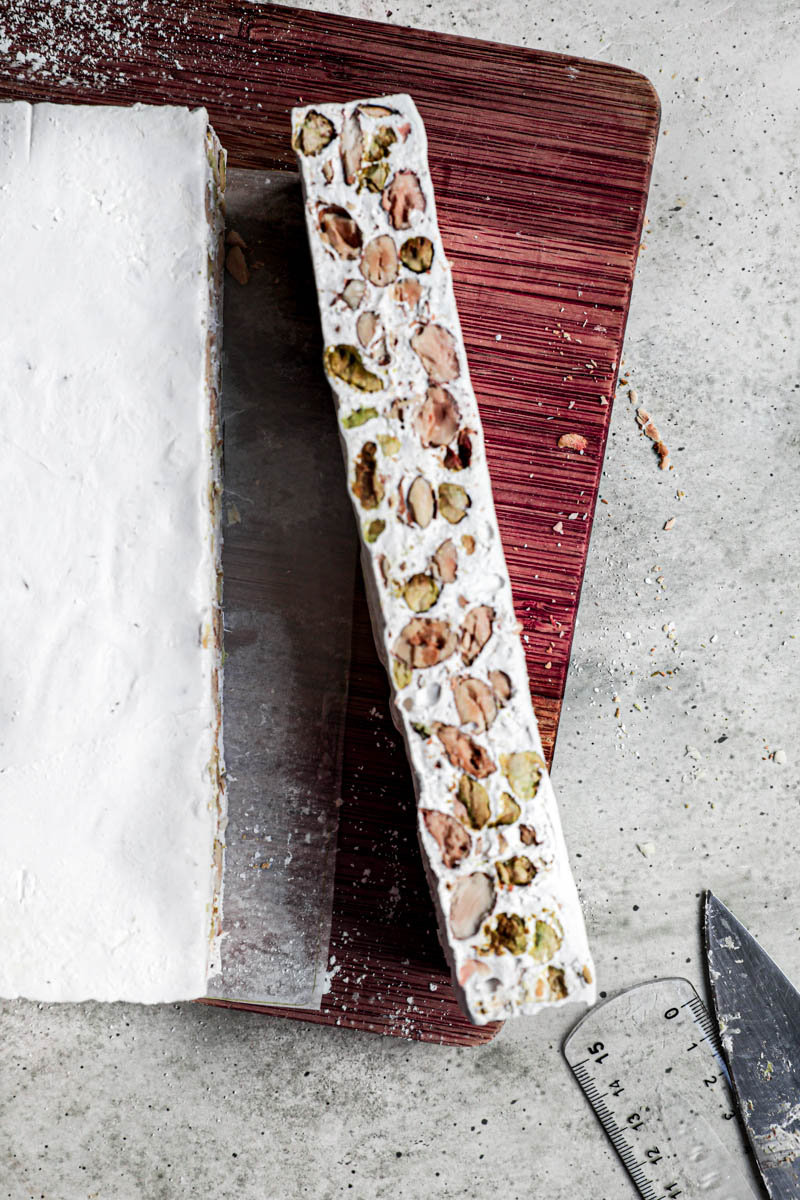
(541, 165)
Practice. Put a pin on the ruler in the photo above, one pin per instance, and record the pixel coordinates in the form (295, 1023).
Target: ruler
(650, 1065)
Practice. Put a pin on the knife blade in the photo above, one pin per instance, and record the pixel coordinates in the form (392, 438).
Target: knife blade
(758, 1013)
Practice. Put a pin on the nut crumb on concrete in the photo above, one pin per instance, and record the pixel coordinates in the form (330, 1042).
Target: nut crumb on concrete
(648, 428)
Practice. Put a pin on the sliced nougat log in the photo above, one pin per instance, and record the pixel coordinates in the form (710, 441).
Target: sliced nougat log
(436, 578)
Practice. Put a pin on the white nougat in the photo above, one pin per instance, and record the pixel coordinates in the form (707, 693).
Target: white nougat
(111, 801)
(509, 917)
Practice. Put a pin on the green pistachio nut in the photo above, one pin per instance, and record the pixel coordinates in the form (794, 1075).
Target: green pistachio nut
(314, 133)
(416, 253)
(556, 982)
(358, 416)
(374, 530)
(344, 362)
(508, 933)
(517, 871)
(421, 593)
(389, 445)
(475, 798)
(508, 810)
(523, 771)
(401, 673)
(546, 942)
(374, 176)
(453, 502)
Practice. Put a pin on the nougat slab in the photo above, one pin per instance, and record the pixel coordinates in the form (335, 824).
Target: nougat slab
(111, 790)
(442, 611)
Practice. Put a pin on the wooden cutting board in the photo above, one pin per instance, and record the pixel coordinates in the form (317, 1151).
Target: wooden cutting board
(541, 165)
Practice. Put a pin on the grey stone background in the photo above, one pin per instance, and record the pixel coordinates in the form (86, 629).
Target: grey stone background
(125, 1103)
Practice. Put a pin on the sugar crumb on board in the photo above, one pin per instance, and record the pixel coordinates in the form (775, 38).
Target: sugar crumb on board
(95, 38)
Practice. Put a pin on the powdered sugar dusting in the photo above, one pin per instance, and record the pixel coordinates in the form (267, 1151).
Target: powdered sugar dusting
(89, 37)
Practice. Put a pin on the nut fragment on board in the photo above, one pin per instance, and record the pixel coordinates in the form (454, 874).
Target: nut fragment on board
(648, 428)
(236, 265)
(573, 441)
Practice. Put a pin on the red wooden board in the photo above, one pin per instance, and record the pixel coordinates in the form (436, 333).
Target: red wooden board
(541, 165)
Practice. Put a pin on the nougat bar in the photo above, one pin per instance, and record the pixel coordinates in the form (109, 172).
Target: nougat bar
(437, 582)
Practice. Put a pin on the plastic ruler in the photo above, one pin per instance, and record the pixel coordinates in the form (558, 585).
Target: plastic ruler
(649, 1063)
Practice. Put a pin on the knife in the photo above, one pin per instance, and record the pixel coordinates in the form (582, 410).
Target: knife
(758, 1013)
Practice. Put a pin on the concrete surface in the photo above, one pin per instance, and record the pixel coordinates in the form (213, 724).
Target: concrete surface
(125, 1103)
